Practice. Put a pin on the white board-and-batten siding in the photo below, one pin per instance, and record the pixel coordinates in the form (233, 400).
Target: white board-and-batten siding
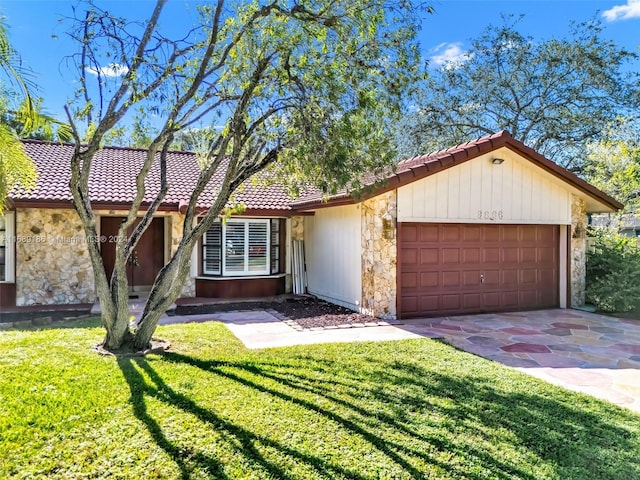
(333, 255)
(479, 191)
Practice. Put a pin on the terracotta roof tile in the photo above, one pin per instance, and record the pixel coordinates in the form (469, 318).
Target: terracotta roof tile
(113, 176)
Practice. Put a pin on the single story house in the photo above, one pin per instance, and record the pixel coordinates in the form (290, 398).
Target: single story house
(490, 225)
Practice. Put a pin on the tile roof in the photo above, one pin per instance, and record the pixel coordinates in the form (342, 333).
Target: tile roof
(416, 168)
(113, 175)
(114, 169)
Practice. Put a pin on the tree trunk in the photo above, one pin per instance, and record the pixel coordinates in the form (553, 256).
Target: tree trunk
(165, 291)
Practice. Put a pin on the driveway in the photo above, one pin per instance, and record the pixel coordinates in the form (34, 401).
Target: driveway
(581, 351)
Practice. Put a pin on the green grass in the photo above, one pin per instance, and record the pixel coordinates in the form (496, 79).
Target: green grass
(212, 409)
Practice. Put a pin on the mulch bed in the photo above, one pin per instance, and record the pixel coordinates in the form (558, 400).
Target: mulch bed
(306, 312)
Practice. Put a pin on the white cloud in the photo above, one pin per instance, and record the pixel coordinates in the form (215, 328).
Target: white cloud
(111, 70)
(623, 12)
(449, 55)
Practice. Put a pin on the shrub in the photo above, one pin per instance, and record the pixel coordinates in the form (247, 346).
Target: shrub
(613, 272)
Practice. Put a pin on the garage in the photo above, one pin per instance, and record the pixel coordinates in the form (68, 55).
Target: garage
(447, 269)
(487, 226)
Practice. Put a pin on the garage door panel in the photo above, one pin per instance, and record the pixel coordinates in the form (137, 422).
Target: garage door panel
(510, 299)
(451, 302)
(490, 234)
(409, 256)
(528, 254)
(442, 264)
(527, 298)
(528, 277)
(491, 255)
(471, 278)
(470, 256)
(430, 303)
(492, 300)
(429, 256)
(428, 233)
(450, 256)
(410, 232)
(509, 278)
(472, 233)
(509, 233)
(451, 279)
(510, 255)
(546, 255)
(410, 304)
(429, 279)
(409, 280)
(472, 301)
(491, 278)
(450, 233)
(529, 233)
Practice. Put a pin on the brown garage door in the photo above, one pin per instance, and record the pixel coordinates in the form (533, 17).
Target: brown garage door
(466, 268)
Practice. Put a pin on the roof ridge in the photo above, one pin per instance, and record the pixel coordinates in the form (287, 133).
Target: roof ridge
(106, 147)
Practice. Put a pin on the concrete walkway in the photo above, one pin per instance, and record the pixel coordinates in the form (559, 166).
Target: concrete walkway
(584, 352)
(260, 329)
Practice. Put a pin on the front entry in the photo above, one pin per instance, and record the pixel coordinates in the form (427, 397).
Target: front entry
(147, 258)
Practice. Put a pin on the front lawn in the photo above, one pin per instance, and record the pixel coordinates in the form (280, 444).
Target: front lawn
(212, 409)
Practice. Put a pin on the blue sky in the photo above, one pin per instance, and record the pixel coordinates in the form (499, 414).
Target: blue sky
(36, 32)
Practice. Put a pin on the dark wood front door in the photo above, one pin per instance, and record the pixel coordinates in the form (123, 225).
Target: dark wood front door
(148, 256)
(466, 268)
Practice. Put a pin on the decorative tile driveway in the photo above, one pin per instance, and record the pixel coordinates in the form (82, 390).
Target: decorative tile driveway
(582, 351)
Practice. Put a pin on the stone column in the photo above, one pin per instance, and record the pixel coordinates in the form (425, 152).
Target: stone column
(578, 254)
(379, 254)
(176, 222)
(297, 227)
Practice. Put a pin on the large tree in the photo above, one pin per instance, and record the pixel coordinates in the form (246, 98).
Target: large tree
(613, 165)
(554, 95)
(306, 87)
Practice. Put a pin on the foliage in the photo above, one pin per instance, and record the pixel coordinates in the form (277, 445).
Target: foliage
(613, 272)
(613, 165)
(213, 409)
(307, 89)
(16, 168)
(553, 95)
(19, 119)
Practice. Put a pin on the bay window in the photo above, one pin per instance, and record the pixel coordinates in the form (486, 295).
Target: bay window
(242, 247)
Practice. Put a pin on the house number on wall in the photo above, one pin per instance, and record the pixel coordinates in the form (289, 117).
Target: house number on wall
(490, 215)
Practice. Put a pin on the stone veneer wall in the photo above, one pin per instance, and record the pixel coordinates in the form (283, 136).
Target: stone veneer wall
(52, 260)
(297, 228)
(578, 252)
(53, 265)
(379, 254)
(176, 221)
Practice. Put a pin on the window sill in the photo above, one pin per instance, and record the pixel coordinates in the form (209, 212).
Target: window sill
(239, 277)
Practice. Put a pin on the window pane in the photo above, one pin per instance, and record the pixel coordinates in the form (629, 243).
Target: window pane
(234, 246)
(2, 263)
(258, 235)
(275, 245)
(212, 250)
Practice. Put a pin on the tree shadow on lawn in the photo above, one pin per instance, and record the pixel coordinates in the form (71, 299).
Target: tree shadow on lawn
(382, 412)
